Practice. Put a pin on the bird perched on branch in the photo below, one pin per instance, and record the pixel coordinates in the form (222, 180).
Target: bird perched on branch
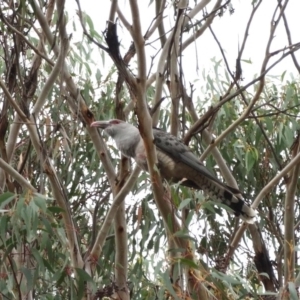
(176, 163)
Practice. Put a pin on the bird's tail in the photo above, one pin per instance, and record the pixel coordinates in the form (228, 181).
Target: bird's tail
(240, 208)
(248, 214)
(227, 195)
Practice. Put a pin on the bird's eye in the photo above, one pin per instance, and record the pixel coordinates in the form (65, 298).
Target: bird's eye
(114, 122)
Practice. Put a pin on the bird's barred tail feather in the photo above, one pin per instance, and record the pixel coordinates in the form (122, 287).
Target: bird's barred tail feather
(248, 214)
(227, 195)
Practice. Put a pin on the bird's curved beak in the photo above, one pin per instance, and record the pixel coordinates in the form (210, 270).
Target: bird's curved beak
(100, 124)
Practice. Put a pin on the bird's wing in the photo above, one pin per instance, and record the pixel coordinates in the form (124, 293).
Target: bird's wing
(178, 151)
(197, 175)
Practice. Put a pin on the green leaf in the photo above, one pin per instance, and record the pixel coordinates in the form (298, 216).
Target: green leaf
(150, 244)
(250, 159)
(293, 291)
(83, 277)
(6, 198)
(55, 209)
(28, 276)
(168, 285)
(289, 136)
(226, 279)
(4, 223)
(41, 203)
(209, 205)
(248, 61)
(38, 258)
(20, 206)
(59, 277)
(47, 225)
(182, 234)
(89, 21)
(184, 203)
(189, 263)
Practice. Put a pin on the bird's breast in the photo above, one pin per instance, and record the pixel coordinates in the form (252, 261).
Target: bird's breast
(166, 165)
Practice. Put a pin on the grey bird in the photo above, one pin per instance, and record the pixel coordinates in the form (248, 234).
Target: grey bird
(176, 163)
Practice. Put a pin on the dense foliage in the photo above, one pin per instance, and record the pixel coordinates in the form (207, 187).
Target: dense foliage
(66, 231)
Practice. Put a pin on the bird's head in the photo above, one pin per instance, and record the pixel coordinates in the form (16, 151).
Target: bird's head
(115, 128)
(125, 135)
(111, 127)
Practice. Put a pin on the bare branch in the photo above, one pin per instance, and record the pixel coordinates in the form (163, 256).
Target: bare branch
(289, 37)
(16, 175)
(160, 7)
(289, 218)
(202, 29)
(12, 102)
(123, 19)
(36, 50)
(103, 232)
(113, 10)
